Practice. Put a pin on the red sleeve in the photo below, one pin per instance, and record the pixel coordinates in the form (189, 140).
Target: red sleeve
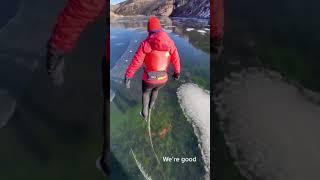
(217, 19)
(137, 60)
(175, 59)
(74, 18)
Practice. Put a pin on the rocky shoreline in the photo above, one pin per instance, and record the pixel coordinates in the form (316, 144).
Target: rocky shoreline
(167, 8)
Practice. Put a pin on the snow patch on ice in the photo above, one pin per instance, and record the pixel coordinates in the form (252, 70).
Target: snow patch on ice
(189, 29)
(271, 125)
(201, 31)
(195, 103)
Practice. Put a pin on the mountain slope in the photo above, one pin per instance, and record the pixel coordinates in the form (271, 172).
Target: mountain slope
(181, 8)
(144, 7)
(193, 8)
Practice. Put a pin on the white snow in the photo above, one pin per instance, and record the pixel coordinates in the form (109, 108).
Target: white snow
(201, 31)
(119, 44)
(7, 107)
(189, 29)
(195, 103)
(271, 125)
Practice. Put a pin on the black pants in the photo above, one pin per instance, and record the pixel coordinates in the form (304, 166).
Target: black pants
(149, 96)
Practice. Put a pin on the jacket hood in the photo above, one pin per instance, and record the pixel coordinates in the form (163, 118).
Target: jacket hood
(160, 41)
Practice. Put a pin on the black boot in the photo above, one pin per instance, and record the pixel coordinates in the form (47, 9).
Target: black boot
(143, 116)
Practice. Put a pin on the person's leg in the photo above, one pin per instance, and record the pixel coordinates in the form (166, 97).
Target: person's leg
(146, 92)
(154, 95)
(145, 102)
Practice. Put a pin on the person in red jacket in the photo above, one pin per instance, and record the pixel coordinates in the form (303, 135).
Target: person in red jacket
(72, 21)
(154, 54)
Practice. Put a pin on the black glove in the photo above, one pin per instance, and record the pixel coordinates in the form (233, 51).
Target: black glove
(127, 82)
(176, 76)
(55, 65)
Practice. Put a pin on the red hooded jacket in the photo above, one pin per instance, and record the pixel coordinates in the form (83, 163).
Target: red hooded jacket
(74, 18)
(155, 53)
